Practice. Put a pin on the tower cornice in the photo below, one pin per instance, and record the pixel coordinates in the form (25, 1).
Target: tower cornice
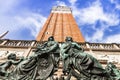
(61, 9)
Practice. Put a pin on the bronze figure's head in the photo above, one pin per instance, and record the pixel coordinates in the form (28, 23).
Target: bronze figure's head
(51, 38)
(69, 39)
(12, 56)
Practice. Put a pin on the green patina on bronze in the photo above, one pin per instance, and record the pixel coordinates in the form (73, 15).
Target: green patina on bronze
(80, 64)
(45, 60)
(6, 65)
(113, 71)
(39, 66)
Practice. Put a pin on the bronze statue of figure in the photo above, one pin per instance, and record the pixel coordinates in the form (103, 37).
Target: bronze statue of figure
(51, 46)
(41, 65)
(74, 58)
(6, 65)
(113, 71)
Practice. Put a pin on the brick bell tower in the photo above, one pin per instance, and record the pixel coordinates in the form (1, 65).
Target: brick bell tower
(60, 24)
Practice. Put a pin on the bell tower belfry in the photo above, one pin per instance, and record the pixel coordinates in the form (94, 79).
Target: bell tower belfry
(60, 24)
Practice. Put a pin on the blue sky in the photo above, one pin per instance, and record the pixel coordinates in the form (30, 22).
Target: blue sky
(99, 20)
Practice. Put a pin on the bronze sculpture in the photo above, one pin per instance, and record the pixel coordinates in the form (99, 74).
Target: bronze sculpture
(113, 71)
(6, 65)
(41, 65)
(74, 58)
(44, 63)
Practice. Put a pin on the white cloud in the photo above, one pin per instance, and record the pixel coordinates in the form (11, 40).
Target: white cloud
(8, 5)
(98, 34)
(22, 19)
(93, 13)
(60, 3)
(34, 22)
(117, 5)
(113, 39)
(72, 2)
(5, 6)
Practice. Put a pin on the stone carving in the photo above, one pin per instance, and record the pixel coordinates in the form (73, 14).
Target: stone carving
(3, 54)
(113, 71)
(80, 64)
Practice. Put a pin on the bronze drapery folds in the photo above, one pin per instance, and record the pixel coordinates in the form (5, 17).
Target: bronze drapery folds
(45, 62)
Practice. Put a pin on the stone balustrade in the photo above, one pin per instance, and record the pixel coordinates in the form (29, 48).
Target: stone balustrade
(28, 43)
